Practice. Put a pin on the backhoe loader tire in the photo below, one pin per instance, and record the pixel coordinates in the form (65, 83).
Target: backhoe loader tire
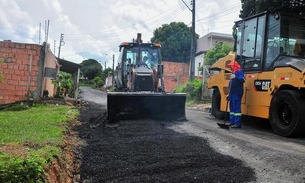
(216, 99)
(287, 113)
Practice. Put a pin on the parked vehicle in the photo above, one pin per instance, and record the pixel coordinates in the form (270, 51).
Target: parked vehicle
(270, 48)
(139, 85)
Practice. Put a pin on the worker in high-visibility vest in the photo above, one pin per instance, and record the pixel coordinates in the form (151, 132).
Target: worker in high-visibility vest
(236, 86)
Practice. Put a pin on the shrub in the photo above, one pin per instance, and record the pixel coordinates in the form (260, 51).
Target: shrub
(193, 90)
(20, 170)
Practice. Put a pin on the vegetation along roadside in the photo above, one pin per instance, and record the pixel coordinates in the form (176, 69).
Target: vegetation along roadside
(31, 139)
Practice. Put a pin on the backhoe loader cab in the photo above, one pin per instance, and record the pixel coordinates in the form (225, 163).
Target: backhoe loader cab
(270, 48)
(139, 86)
(142, 59)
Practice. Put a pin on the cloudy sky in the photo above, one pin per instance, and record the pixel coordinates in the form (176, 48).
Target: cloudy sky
(95, 28)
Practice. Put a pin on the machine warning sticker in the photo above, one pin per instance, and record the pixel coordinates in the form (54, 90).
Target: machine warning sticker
(262, 85)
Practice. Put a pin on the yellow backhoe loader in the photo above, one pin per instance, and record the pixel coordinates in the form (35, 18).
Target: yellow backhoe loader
(139, 86)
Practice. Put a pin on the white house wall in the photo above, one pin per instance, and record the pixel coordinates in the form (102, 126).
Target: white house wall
(207, 42)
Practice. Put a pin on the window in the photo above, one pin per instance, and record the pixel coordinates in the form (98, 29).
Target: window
(135, 55)
(272, 48)
(250, 53)
(249, 38)
(259, 37)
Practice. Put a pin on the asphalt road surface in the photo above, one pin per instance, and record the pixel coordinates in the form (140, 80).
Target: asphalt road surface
(196, 150)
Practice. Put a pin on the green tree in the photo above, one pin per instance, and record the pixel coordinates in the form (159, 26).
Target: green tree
(220, 50)
(97, 82)
(91, 68)
(252, 7)
(176, 41)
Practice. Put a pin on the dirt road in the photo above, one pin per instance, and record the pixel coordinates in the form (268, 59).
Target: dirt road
(196, 150)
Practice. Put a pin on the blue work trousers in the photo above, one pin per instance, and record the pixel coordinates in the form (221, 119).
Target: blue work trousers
(235, 108)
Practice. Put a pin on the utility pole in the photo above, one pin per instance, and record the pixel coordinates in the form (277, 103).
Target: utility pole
(112, 67)
(113, 70)
(193, 46)
(39, 32)
(193, 42)
(61, 43)
(47, 25)
(54, 46)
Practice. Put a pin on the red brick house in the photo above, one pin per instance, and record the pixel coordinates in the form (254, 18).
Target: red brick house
(26, 69)
(29, 68)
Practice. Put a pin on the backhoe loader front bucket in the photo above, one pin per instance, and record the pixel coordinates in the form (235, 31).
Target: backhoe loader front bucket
(135, 105)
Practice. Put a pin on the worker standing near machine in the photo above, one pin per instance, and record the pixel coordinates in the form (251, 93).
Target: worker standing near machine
(274, 87)
(108, 82)
(236, 86)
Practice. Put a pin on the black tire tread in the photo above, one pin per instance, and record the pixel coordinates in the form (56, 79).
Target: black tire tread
(216, 105)
(297, 101)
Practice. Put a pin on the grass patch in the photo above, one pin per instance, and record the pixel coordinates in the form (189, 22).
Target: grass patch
(30, 138)
(205, 100)
(42, 123)
(86, 84)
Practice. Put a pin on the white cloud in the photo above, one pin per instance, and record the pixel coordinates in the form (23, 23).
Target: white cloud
(94, 28)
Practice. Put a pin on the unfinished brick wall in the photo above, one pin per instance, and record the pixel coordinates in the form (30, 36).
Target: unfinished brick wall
(19, 69)
(23, 68)
(175, 74)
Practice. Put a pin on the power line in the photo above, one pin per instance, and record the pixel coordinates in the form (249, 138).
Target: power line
(153, 20)
(110, 34)
(224, 12)
(82, 40)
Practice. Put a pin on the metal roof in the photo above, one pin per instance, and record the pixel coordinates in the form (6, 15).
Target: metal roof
(68, 66)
